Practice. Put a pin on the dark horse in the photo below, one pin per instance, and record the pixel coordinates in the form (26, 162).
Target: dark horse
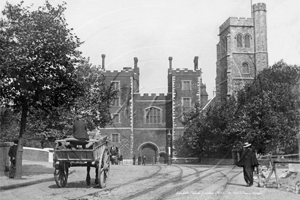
(114, 155)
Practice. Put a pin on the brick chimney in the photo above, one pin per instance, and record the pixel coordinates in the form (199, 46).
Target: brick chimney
(170, 62)
(196, 63)
(135, 62)
(103, 63)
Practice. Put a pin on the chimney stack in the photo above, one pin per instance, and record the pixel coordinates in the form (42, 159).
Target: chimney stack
(170, 62)
(103, 63)
(196, 63)
(135, 62)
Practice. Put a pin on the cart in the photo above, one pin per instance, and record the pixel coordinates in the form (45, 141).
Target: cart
(97, 155)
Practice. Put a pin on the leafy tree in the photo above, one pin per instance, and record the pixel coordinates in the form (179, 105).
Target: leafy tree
(94, 104)
(268, 109)
(38, 55)
(265, 113)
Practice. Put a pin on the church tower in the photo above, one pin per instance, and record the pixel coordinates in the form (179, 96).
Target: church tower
(241, 51)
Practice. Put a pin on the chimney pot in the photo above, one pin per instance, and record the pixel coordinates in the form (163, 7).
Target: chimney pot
(196, 63)
(103, 63)
(170, 62)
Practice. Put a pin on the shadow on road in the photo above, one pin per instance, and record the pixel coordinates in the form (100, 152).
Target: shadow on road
(243, 185)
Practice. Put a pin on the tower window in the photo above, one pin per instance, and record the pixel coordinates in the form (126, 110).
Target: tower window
(186, 104)
(186, 85)
(247, 41)
(239, 40)
(115, 137)
(153, 115)
(115, 85)
(245, 68)
(116, 102)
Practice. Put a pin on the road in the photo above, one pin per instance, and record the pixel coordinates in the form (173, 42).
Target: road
(150, 182)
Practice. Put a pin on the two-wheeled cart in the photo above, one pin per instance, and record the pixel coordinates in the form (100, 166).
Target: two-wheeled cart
(96, 156)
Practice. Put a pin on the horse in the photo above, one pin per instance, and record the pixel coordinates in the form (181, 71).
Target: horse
(114, 155)
(114, 159)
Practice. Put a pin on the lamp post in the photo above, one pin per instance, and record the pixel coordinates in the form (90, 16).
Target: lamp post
(169, 136)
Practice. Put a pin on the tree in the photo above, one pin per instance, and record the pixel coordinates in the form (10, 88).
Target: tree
(94, 104)
(265, 112)
(268, 109)
(38, 55)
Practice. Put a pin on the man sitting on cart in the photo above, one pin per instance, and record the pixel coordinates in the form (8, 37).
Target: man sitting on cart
(80, 132)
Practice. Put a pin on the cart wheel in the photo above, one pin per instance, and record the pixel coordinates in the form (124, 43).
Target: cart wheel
(104, 169)
(61, 173)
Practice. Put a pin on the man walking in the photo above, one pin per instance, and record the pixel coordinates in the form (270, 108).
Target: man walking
(248, 161)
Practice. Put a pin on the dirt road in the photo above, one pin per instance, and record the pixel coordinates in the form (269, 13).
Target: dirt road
(128, 182)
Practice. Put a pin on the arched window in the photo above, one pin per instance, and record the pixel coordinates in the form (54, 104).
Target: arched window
(153, 115)
(245, 68)
(239, 39)
(247, 41)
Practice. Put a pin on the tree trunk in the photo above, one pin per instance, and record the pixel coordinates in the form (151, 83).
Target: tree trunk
(18, 174)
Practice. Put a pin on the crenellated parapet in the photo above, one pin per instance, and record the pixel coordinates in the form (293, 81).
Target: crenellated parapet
(235, 21)
(152, 97)
(127, 71)
(259, 7)
(184, 71)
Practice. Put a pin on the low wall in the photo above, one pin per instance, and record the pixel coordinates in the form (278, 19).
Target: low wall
(36, 154)
(4, 158)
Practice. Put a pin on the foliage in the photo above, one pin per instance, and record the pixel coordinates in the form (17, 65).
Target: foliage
(38, 55)
(268, 109)
(9, 125)
(265, 113)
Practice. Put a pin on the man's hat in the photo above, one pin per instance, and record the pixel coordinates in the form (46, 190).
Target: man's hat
(247, 144)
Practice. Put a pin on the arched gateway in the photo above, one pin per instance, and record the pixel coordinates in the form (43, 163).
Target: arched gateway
(151, 151)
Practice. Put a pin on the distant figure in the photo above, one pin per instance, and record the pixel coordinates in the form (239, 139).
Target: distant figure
(248, 161)
(12, 153)
(144, 160)
(121, 159)
(139, 159)
(133, 159)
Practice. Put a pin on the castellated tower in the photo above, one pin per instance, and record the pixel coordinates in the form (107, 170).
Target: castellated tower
(260, 39)
(241, 51)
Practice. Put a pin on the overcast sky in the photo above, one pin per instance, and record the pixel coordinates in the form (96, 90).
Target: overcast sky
(153, 30)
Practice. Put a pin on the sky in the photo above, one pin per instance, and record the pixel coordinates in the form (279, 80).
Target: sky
(154, 30)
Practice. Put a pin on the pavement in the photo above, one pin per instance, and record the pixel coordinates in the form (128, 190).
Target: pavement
(34, 172)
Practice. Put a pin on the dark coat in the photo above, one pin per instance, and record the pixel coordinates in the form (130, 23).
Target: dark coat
(80, 130)
(248, 159)
(12, 153)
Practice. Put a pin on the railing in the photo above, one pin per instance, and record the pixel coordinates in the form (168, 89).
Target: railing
(270, 162)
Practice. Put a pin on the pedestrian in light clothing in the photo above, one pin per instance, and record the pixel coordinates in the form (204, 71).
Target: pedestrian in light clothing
(12, 153)
(249, 162)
